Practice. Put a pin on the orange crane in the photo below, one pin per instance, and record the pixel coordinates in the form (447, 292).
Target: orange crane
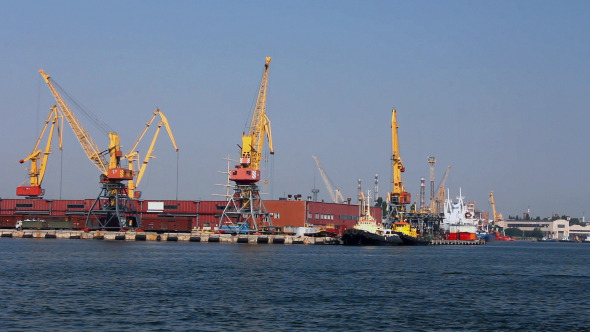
(245, 209)
(37, 171)
(133, 155)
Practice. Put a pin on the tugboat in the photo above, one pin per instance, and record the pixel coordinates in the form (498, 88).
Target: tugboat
(368, 232)
(408, 234)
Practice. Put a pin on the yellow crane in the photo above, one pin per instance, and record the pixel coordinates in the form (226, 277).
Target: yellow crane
(497, 216)
(133, 155)
(398, 194)
(248, 171)
(37, 171)
(440, 194)
(111, 170)
(245, 209)
(113, 208)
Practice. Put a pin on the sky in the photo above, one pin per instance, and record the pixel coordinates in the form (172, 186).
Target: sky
(499, 90)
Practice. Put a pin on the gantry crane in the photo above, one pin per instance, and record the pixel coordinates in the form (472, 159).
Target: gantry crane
(497, 216)
(335, 194)
(133, 154)
(245, 209)
(398, 197)
(37, 171)
(112, 208)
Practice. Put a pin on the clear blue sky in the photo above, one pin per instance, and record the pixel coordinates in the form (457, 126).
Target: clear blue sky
(500, 90)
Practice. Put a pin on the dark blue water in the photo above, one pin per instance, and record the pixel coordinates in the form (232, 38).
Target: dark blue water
(95, 285)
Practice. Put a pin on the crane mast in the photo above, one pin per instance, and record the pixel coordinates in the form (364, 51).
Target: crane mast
(245, 209)
(37, 172)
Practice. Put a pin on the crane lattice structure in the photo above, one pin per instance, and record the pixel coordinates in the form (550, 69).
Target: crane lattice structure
(245, 210)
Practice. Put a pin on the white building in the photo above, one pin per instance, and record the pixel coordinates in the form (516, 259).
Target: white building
(552, 229)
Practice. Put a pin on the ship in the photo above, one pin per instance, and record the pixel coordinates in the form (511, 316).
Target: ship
(500, 236)
(408, 234)
(368, 232)
(459, 221)
(482, 234)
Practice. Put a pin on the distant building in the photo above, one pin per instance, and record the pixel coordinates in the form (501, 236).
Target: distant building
(580, 231)
(553, 229)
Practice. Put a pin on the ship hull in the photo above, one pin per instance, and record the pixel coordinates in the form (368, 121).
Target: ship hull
(485, 236)
(408, 240)
(363, 238)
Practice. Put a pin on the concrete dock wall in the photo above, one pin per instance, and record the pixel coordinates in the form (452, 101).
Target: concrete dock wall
(166, 237)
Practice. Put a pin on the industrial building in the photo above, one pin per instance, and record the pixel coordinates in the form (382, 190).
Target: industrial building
(552, 229)
(182, 216)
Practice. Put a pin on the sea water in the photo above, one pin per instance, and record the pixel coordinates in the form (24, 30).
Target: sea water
(91, 285)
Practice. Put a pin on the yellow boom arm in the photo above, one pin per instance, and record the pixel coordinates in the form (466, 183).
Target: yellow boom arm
(398, 193)
(37, 172)
(253, 141)
(132, 156)
(90, 148)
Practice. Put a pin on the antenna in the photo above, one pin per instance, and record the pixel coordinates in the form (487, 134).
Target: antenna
(227, 185)
(376, 190)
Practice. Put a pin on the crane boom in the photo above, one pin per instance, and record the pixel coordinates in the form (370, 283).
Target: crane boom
(334, 194)
(90, 148)
(259, 126)
(253, 141)
(37, 173)
(497, 216)
(440, 194)
(132, 155)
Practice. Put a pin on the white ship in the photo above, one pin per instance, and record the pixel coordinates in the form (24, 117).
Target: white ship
(458, 217)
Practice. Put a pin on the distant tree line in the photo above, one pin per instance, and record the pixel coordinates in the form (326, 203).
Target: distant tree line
(517, 232)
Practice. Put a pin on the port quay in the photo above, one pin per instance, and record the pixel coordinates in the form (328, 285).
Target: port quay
(199, 236)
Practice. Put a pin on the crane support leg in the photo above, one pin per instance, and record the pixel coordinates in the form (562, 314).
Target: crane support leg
(245, 211)
(113, 209)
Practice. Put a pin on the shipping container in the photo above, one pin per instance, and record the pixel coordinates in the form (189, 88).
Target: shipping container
(467, 236)
(452, 236)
